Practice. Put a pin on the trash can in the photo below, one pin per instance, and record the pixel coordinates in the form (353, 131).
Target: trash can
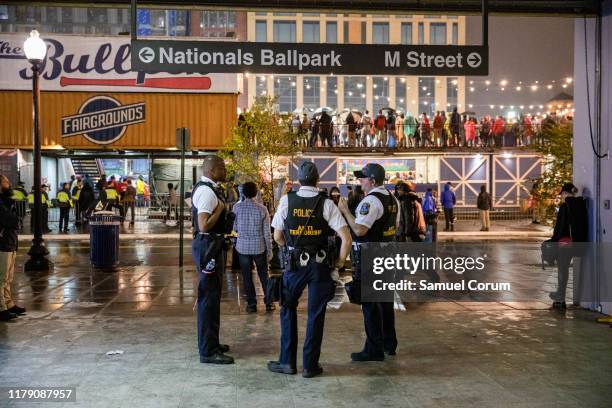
(104, 239)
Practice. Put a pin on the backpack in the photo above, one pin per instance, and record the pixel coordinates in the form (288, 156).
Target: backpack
(409, 220)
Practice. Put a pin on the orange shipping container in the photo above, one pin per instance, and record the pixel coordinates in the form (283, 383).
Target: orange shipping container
(209, 117)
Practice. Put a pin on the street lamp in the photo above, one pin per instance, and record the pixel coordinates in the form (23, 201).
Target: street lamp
(35, 50)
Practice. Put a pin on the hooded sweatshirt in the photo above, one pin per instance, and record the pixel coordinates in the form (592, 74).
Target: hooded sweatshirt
(448, 197)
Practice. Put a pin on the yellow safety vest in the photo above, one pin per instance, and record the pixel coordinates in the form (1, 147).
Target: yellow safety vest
(63, 197)
(111, 194)
(77, 194)
(43, 199)
(140, 187)
(18, 195)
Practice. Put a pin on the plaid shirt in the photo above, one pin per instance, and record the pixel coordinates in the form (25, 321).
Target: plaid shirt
(252, 224)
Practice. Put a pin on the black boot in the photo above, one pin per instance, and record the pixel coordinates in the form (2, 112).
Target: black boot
(5, 316)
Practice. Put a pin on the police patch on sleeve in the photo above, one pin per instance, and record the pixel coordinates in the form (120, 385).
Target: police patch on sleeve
(364, 209)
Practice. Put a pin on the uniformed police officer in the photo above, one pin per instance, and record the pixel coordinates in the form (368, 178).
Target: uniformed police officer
(20, 196)
(302, 225)
(376, 220)
(210, 222)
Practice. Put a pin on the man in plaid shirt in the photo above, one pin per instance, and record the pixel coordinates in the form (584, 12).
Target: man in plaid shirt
(254, 244)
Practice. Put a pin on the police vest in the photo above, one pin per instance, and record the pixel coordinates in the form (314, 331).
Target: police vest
(43, 199)
(76, 193)
(111, 194)
(220, 226)
(64, 198)
(383, 229)
(299, 210)
(19, 195)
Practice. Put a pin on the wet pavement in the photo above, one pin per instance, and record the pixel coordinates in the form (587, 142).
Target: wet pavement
(511, 354)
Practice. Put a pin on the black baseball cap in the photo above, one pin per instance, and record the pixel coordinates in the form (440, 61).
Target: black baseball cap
(371, 170)
(308, 171)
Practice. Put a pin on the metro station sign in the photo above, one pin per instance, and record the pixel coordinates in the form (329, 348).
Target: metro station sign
(291, 58)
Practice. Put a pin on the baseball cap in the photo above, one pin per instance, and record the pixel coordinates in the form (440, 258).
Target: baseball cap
(308, 171)
(371, 170)
(568, 188)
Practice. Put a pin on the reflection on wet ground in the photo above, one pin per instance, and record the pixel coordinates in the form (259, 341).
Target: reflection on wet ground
(454, 353)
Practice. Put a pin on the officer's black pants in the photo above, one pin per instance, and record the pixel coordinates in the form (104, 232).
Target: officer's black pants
(320, 289)
(379, 322)
(209, 299)
(64, 218)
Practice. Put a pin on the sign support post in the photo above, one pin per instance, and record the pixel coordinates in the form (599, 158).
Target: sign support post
(182, 142)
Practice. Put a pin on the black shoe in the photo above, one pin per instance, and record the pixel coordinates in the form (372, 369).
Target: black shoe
(312, 373)
(270, 308)
(251, 309)
(390, 353)
(277, 367)
(17, 310)
(363, 356)
(559, 306)
(223, 348)
(217, 358)
(5, 316)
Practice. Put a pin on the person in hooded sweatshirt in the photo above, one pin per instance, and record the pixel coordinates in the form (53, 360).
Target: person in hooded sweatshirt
(448, 204)
(430, 212)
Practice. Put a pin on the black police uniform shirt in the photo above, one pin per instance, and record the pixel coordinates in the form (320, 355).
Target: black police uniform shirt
(371, 209)
(331, 213)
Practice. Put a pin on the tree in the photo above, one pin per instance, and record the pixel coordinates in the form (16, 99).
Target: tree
(557, 150)
(260, 145)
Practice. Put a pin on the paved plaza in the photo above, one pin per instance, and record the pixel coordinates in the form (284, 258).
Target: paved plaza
(450, 353)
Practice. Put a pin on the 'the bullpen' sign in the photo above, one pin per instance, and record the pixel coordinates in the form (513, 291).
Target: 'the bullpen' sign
(102, 119)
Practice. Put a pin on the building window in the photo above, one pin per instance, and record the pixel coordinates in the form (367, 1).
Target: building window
(364, 28)
(455, 33)
(217, 24)
(437, 33)
(400, 94)
(331, 87)
(355, 92)
(380, 33)
(380, 92)
(310, 32)
(427, 96)
(285, 91)
(284, 31)
(331, 33)
(346, 32)
(261, 86)
(421, 33)
(261, 31)
(452, 91)
(284, 14)
(406, 37)
(312, 92)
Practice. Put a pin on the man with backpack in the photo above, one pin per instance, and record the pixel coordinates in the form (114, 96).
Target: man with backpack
(412, 221)
(571, 227)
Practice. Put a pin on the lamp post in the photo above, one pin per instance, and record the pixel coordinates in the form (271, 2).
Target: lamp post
(35, 50)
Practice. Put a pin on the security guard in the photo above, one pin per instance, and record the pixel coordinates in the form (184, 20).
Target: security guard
(376, 221)
(110, 198)
(64, 202)
(76, 193)
(46, 203)
(20, 197)
(302, 224)
(211, 221)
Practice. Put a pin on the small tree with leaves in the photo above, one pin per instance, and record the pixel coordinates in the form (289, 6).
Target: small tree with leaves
(557, 150)
(260, 144)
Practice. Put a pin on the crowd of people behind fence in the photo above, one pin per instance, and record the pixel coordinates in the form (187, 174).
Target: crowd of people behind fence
(398, 130)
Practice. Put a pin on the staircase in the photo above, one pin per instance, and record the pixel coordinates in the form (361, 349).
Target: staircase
(92, 167)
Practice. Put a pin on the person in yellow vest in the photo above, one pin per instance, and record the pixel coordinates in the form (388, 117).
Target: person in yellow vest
(64, 202)
(46, 203)
(140, 190)
(20, 197)
(110, 198)
(76, 193)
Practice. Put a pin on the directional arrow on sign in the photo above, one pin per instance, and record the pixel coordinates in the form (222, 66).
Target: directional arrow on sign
(474, 60)
(146, 55)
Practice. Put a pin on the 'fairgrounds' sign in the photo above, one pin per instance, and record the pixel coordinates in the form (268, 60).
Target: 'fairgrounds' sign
(76, 63)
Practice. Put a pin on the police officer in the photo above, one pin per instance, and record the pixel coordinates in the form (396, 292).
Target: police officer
(46, 203)
(211, 221)
(376, 219)
(64, 202)
(302, 225)
(76, 193)
(110, 198)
